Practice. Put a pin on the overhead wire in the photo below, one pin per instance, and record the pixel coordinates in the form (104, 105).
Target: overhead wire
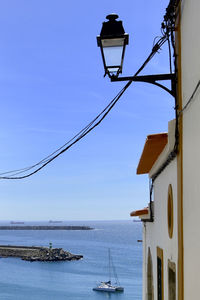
(168, 29)
(190, 99)
(78, 136)
(83, 132)
(45, 159)
(79, 133)
(170, 55)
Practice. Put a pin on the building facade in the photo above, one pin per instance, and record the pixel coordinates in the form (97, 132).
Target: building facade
(171, 226)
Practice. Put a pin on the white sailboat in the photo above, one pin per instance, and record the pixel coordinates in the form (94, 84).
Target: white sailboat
(107, 286)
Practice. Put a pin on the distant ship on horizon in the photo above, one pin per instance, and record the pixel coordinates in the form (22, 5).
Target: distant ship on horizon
(16, 222)
(52, 221)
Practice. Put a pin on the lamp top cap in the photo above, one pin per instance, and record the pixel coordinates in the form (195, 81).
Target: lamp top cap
(112, 17)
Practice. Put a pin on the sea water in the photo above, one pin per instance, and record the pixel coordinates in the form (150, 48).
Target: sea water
(74, 280)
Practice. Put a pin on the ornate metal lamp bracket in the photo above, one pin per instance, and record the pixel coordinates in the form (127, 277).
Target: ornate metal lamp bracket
(153, 79)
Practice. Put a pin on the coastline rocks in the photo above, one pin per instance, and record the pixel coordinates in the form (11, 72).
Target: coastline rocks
(56, 254)
(38, 253)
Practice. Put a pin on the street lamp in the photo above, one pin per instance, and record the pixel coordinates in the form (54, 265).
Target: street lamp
(112, 42)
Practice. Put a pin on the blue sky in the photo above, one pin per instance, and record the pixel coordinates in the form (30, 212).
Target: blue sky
(52, 85)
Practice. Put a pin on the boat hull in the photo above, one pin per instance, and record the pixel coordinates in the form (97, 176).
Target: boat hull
(109, 289)
(104, 289)
(119, 289)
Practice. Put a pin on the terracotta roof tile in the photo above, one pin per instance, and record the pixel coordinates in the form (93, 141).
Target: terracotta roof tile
(140, 212)
(153, 147)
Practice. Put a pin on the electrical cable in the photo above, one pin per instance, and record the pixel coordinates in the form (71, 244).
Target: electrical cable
(168, 28)
(66, 148)
(82, 133)
(170, 55)
(190, 99)
(45, 159)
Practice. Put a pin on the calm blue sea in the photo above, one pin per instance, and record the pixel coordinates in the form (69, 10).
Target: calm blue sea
(21, 280)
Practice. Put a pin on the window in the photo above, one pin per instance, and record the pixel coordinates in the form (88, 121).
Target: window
(171, 280)
(160, 282)
(149, 277)
(170, 212)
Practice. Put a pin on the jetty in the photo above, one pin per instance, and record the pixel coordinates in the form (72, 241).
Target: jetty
(37, 253)
(44, 227)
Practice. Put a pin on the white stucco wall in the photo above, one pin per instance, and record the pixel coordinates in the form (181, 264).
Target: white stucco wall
(157, 232)
(190, 45)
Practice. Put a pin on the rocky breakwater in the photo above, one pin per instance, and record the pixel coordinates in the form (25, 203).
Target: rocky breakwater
(44, 227)
(38, 253)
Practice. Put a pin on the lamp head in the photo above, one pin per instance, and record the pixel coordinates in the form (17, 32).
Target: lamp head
(112, 41)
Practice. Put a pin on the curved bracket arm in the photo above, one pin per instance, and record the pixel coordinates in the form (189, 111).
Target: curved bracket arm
(153, 80)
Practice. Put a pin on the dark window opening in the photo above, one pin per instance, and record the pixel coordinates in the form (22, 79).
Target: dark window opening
(159, 278)
(172, 283)
(149, 277)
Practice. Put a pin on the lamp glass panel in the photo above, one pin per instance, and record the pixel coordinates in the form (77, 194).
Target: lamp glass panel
(113, 56)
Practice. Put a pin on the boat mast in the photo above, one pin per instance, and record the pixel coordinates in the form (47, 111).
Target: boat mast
(109, 264)
(114, 271)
